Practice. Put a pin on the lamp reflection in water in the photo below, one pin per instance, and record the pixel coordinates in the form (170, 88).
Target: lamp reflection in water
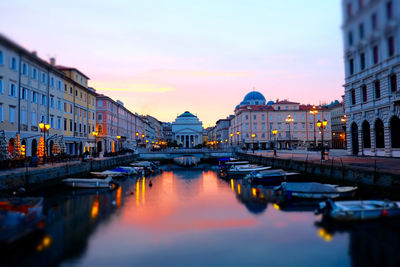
(238, 189)
(143, 189)
(118, 197)
(137, 192)
(325, 235)
(276, 206)
(254, 192)
(95, 208)
(44, 243)
(232, 185)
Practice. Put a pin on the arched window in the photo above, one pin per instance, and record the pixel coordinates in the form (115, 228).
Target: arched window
(395, 132)
(366, 134)
(354, 138)
(379, 134)
(34, 148)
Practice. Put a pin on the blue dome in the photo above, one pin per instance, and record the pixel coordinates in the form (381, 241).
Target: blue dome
(270, 103)
(186, 114)
(254, 95)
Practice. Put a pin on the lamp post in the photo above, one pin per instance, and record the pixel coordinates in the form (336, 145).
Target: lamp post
(344, 120)
(44, 127)
(252, 137)
(118, 144)
(143, 142)
(231, 135)
(274, 132)
(237, 134)
(322, 126)
(314, 111)
(95, 134)
(289, 120)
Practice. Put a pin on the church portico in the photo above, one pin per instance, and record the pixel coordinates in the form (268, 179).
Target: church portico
(187, 130)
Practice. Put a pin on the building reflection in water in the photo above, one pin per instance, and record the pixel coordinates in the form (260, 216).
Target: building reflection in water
(187, 161)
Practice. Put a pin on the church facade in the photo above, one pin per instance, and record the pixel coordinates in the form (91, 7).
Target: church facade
(187, 130)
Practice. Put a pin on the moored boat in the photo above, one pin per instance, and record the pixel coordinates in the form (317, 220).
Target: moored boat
(90, 183)
(315, 190)
(109, 173)
(355, 210)
(271, 177)
(245, 169)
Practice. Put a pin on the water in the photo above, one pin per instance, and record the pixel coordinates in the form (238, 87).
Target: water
(193, 218)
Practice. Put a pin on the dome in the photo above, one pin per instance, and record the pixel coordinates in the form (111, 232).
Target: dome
(270, 103)
(254, 95)
(186, 114)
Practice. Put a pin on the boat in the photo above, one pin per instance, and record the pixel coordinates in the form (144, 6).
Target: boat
(104, 174)
(126, 170)
(90, 183)
(245, 169)
(236, 163)
(19, 217)
(315, 190)
(356, 210)
(271, 176)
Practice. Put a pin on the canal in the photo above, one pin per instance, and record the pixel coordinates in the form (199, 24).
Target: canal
(192, 218)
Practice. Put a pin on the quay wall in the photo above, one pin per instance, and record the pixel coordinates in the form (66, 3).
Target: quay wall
(365, 176)
(35, 177)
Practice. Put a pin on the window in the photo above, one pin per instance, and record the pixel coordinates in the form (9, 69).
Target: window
(295, 126)
(349, 10)
(24, 93)
(271, 117)
(279, 107)
(74, 126)
(43, 119)
(76, 78)
(34, 97)
(374, 21)
(24, 69)
(361, 30)
(389, 10)
(52, 102)
(393, 83)
(351, 66)
(70, 90)
(13, 63)
(1, 57)
(255, 126)
(100, 103)
(76, 92)
(65, 124)
(364, 92)
(81, 95)
(254, 117)
(80, 127)
(1, 85)
(263, 126)
(70, 125)
(23, 116)
(52, 122)
(390, 42)
(353, 96)
(1, 113)
(279, 117)
(65, 88)
(59, 104)
(262, 117)
(350, 38)
(34, 74)
(362, 61)
(360, 4)
(12, 114)
(247, 117)
(303, 125)
(59, 85)
(311, 126)
(279, 126)
(287, 107)
(377, 86)
(59, 123)
(12, 90)
(375, 54)
(44, 100)
(33, 121)
(247, 126)
(44, 78)
(52, 81)
(84, 128)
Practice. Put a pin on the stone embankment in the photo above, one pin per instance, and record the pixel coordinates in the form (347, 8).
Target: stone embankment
(370, 175)
(34, 177)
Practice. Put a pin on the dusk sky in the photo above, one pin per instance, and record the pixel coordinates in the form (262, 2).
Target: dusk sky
(164, 57)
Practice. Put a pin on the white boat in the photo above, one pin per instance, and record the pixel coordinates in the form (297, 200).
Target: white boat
(105, 174)
(354, 210)
(127, 170)
(245, 169)
(90, 182)
(236, 163)
(142, 164)
(315, 190)
(271, 176)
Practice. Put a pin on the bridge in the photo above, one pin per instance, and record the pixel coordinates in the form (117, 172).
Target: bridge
(178, 153)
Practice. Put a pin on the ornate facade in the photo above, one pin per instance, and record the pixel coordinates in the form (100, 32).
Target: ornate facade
(187, 130)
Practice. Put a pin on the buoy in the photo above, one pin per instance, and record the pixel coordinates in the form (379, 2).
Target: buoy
(385, 213)
(150, 184)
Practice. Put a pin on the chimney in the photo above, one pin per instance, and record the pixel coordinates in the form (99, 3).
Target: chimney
(52, 61)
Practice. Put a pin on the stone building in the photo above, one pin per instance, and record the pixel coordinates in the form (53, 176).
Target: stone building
(338, 126)
(371, 32)
(187, 130)
(255, 120)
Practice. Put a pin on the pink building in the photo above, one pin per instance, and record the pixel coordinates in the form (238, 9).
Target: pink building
(116, 126)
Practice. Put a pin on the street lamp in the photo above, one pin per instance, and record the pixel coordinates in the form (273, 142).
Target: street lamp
(274, 132)
(231, 138)
(289, 120)
(95, 134)
(252, 136)
(237, 134)
(44, 127)
(322, 126)
(344, 120)
(118, 144)
(314, 112)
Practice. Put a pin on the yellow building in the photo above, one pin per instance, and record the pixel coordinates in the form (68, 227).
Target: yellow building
(79, 112)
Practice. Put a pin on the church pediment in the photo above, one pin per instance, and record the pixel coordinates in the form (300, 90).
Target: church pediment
(186, 131)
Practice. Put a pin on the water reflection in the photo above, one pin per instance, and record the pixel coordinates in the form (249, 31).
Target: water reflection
(191, 217)
(187, 160)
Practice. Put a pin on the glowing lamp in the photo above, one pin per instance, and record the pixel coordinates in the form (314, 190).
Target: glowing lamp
(274, 132)
(41, 125)
(253, 135)
(319, 123)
